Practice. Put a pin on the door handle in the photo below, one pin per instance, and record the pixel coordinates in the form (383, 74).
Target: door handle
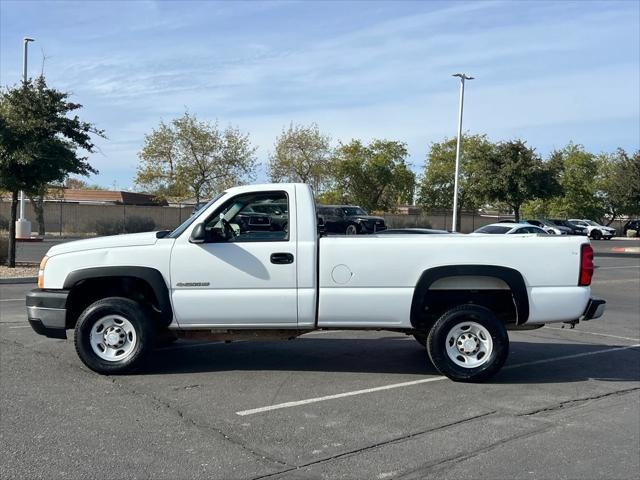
(281, 258)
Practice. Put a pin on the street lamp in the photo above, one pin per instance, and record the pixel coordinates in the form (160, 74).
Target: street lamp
(23, 226)
(463, 77)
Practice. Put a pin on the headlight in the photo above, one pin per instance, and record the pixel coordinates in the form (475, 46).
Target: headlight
(43, 264)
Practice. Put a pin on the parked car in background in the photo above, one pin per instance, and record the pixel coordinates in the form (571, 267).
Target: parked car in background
(276, 213)
(412, 231)
(549, 227)
(509, 229)
(575, 228)
(349, 220)
(632, 225)
(594, 229)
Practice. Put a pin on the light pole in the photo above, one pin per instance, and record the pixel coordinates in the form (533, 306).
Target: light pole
(463, 77)
(23, 226)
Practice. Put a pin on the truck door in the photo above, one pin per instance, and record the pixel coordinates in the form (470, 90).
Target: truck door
(244, 273)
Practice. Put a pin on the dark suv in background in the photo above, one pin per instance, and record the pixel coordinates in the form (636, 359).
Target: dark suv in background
(349, 220)
(632, 225)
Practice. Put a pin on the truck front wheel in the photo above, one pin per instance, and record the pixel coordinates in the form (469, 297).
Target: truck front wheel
(468, 344)
(113, 335)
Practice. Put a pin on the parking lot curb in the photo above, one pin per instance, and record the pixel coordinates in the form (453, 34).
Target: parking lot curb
(18, 280)
(626, 249)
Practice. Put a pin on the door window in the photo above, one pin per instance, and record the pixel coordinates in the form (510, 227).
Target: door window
(251, 217)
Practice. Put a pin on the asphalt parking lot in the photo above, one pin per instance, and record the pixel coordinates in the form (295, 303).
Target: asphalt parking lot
(330, 405)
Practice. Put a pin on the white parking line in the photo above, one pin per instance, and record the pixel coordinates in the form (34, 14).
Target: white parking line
(567, 357)
(593, 333)
(307, 401)
(12, 300)
(337, 395)
(21, 326)
(321, 332)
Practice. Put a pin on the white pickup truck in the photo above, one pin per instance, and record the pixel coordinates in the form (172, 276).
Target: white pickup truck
(232, 271)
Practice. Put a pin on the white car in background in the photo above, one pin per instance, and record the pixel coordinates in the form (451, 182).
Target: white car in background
(594, 229)
(509, 229)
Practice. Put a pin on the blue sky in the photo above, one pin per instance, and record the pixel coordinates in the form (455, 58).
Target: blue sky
(546, 71)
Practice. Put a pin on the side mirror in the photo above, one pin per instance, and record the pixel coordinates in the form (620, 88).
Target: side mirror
(198, 234)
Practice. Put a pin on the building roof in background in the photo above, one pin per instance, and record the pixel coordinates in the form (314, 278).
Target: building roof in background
(82, 195)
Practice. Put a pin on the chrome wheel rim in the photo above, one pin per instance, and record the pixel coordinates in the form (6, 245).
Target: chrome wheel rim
(351, 230)
(113, 338)
(469, 345)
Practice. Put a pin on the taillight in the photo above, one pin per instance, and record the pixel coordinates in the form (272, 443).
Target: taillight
(586, 265)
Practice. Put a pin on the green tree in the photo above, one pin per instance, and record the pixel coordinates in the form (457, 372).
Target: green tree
(578, 176)
(302, 154)
(436, 186)
(619, 184)
(39, 142)
(192, 158)
(515, 174)
(374, 176)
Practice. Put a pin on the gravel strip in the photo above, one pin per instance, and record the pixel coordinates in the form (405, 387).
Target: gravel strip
(18, 272)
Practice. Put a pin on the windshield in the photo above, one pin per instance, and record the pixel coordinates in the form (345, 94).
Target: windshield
(498, 229)
(178, 231)
(352, 211)
(592, 223)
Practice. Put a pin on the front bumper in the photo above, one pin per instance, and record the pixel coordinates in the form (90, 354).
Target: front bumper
(372, 227)
(595, 309)
(47, 313)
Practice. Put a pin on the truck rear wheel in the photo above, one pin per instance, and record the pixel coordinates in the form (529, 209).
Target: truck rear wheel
(468, 344)
(113, 335)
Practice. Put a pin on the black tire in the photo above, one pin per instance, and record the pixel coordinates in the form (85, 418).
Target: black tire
(421, 338)
(352, 229)
(596, 235)
(437, 343)
(136, 314)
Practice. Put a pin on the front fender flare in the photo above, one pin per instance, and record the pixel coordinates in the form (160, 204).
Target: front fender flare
(150, 275)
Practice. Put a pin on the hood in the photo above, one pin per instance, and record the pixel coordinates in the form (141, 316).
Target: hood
(369, 218)
(128, 240)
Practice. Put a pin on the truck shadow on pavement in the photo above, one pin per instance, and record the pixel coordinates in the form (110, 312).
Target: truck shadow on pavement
(393, 355)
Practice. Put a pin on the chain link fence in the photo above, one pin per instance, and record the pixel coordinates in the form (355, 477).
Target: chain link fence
(65, 219)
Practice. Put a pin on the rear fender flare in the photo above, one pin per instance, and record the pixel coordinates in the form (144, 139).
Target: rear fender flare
(511, 277)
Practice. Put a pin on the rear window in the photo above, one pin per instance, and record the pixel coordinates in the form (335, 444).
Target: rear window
(497, 229)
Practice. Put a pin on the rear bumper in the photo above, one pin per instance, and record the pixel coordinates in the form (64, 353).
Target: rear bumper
(595, 309)
(47, 313)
